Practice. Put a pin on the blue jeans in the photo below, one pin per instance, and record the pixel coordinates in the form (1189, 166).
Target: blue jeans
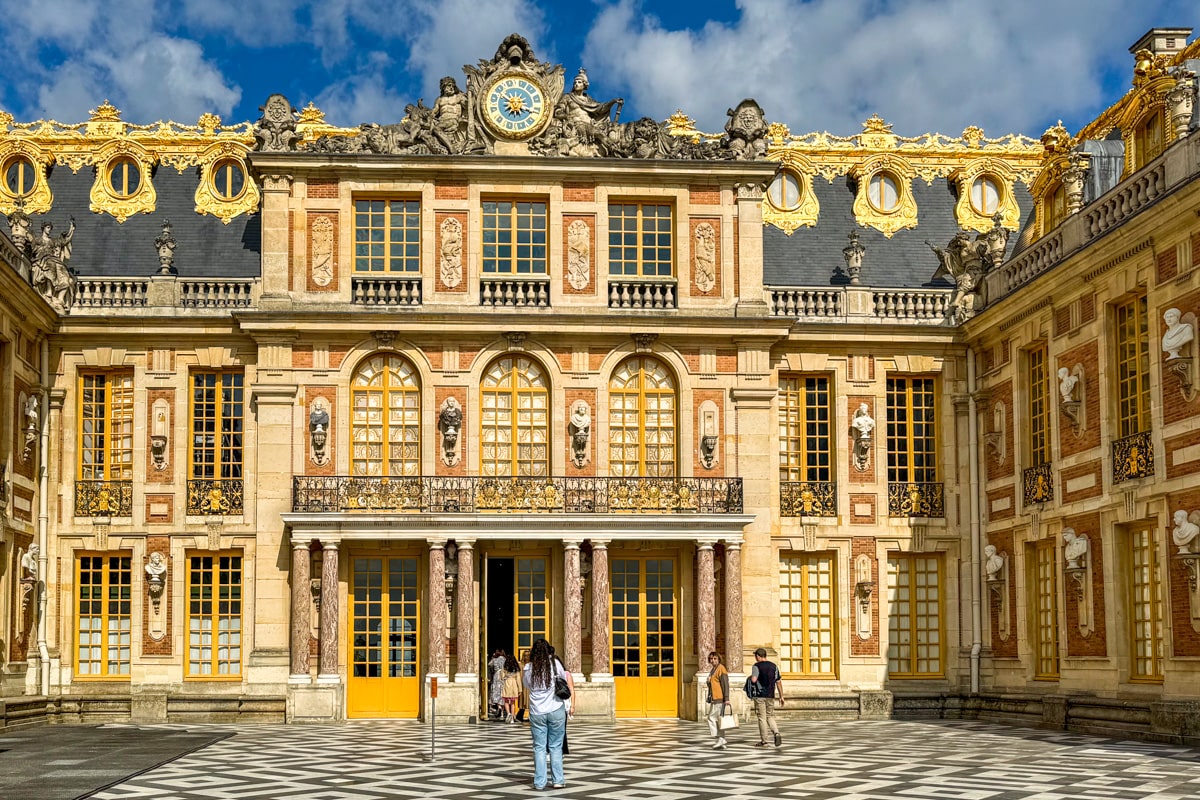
(548, 732)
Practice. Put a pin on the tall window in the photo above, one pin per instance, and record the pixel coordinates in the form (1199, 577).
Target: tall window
(515, 435)
(386, 428)
(1133, 367)
(1145, 605)
(532, 617)
(218, 407)
(639, 240)
(912, 431)
(104, 613)
(807, 616)
(1148, 139)
(1043, 607)
(387, 236)
(1039, 408)
(1054, 208)
(514, 238)
(804, 452)
(915, 616)
(106, 427)
(214, 592)
(641, 420)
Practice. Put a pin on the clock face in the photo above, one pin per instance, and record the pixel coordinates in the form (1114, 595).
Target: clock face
(514, 107)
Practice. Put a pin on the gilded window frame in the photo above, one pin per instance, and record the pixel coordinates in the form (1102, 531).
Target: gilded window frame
(387, 391)
(641, 393)
(514, 391)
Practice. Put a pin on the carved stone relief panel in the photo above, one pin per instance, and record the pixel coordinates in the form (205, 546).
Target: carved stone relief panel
(579, 263)
(451, 235)
(322, 252)
(705, 266)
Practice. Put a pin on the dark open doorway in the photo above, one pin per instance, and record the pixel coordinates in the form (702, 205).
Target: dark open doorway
(500, 612)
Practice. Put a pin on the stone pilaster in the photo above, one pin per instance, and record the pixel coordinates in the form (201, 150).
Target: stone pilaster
(301, 603)
(464, 604)
(437, 607)
(733, 606)
(760, 568)
(327, 669)
(276, 244)
(600, 597)
(572, 608)
(706, 602)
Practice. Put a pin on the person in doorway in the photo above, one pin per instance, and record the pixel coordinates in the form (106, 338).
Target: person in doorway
(496, 683)
(765, 675)
(718, 698)
(547, 714)
(512, 688)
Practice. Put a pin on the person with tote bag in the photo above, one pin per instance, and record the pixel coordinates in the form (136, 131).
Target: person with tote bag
(720, 715)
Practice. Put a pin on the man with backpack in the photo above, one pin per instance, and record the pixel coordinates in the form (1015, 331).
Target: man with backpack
(767, 685)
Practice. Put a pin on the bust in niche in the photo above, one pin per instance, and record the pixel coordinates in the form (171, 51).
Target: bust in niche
(1179, 335)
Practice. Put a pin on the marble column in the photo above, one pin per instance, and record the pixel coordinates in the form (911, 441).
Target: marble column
(600, 597)
(572, 609)
(706, 602)
(437, 607)
(327, 668)
(301, 603)
(464, 605)
(733, 606)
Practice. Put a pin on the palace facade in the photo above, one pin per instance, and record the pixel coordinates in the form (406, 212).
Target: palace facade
(305, 422)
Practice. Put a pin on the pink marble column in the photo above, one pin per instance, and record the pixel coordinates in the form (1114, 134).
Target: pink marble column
(600, 597)
(573, 609)
(706, 602)
(328, 665)
(301, 603)
(437, 607)
(733, 606)
(464, 607)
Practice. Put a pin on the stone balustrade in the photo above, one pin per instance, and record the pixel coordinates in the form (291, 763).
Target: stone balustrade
(386, 291)
(112, 293)
(514, 293)
(654, 295)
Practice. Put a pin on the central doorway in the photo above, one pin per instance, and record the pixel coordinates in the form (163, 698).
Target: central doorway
(644, 619)
(385, 654)
(516, 610)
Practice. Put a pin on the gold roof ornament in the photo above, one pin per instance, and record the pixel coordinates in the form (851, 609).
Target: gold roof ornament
(973, 136)
(1148, 66)
(1056, 139)
(680, 124)
(876, 133)
(209, 123)
(777, 132)
(105, 112)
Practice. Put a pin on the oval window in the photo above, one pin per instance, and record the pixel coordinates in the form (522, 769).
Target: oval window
(124, 176)
(785, 191)
(19, 176)
(228, 179)
(985, 196)
(883, 192)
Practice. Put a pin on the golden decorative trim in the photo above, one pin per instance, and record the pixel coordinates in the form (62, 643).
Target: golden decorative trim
(809, 209)
(104, 200)
(207, 199)
(886, 222)
(40, 198)
(1004, 177)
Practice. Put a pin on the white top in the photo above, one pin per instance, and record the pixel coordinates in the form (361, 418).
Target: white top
(541, 698)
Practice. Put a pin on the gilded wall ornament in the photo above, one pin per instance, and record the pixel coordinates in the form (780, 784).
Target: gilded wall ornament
(975, 183)
(225, 190)
(579, 255)
(704, 257)
(321, 243)
(123, 185)
(883, 199)
(26, 162)
(451, 252)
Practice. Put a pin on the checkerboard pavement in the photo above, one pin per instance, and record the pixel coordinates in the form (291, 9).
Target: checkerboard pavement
(672, 760)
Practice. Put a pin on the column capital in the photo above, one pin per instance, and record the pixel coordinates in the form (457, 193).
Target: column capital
(465, 544)
(572, 544)
(299, 544)
(436, 544)
(329, 542)
(733, 544)
(705, 544)
(599, 544)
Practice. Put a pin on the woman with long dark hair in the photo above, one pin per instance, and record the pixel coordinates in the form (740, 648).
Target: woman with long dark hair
(547, 713)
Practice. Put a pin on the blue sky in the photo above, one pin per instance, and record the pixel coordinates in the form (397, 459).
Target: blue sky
(924, 65)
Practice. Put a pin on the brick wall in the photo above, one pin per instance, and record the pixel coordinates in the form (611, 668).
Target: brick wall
(1095, 643)
(439, 396)
(855, 474)
(863, 545)
(579, 193)
(694, 223)
(1069, 444)
(322, 189)
(699, 397)
(160, 647)
(1185, 640)
(1175, 406)
(1004, 648)
(704, 195)
(166, 475)
(329, 393)
(323, 261)
(1081, 482)
(439, 218)
(1001, 393)
(450, 191)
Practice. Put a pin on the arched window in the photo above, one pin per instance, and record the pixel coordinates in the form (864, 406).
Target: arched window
(385, 397)
(124, 177)
(1054, 207)
(641, 420)
(985, 195)
(884, 192)
(19, 176)
(515, 422)
(786, 191)
(1148, 139)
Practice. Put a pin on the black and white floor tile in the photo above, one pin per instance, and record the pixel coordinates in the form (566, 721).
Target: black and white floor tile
(672, 760)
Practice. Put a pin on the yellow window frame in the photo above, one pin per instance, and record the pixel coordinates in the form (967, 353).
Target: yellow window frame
(808, 615)
(387, 235)
(1146, 609)
(913, 448)
(1043, 608)
(1039, 406)
(636, 247)
(385, 403)
(514, 419)
(805, 452)
(103, 608)
(226, 439)
(520, 233)
(104, 439)
(1132, 346)
(911, 615)
(642, 403)
(217, 613)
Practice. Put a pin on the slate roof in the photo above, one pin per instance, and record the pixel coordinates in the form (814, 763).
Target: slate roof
(206, 247)
(813, 256)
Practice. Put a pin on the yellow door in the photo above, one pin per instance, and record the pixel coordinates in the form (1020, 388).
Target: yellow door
(385, 635)
(644, 626)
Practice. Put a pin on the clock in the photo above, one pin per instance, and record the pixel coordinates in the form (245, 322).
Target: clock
(514, 107)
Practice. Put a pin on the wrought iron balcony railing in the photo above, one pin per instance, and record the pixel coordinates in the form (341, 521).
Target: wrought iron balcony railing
(1039, 484)
(916, 500)
(551, 495)
(1133, 457)
(214, 496)
(104, 498)
(814, 499)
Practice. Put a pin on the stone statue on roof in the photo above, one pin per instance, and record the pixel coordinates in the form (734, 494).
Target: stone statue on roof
(51, 277)
(746, 131)
(275, 131)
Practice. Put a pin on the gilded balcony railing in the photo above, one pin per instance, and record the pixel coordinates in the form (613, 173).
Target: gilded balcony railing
(815, 499)
(551, 495)
(1039, 484)
(1132, 457)
(214, 497)
(916, 500)
(104, 498)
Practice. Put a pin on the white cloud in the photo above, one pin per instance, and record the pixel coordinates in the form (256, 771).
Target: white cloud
(364, 97)
(921, 64)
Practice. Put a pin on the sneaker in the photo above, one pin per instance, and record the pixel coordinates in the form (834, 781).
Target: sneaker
(719, 745)
(778, 740)
(558, 786)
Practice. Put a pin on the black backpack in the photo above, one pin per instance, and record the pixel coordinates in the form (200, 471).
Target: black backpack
(768, 674)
